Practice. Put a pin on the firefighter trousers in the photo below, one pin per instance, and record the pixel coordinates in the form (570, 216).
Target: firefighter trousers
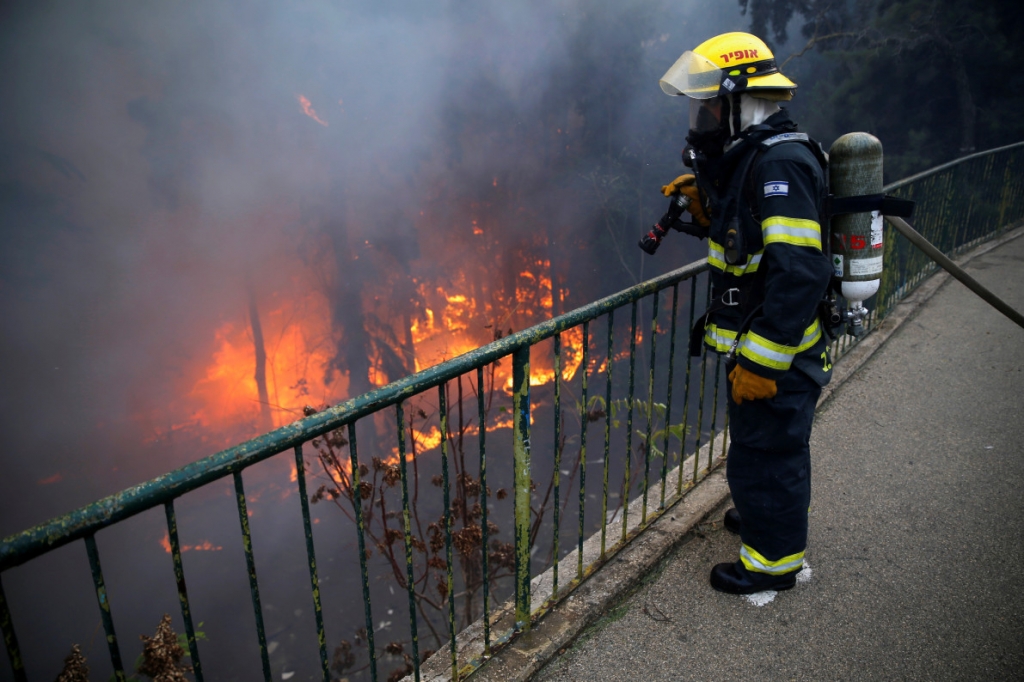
(769, 473)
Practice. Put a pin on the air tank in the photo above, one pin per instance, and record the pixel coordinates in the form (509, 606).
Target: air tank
(855, 169)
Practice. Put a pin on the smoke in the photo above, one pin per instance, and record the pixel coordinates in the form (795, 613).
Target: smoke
(162, 163)
(182, 184)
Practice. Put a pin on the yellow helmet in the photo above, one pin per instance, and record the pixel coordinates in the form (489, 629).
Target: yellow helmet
(730, 63)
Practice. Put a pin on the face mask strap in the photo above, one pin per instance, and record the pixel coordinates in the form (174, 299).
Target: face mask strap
(735, 116)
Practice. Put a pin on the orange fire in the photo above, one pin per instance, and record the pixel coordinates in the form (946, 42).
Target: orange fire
(223, 398)
(299, 346)
(204, 546)
(458, 302)
(308, 110)
(297, 349)
(455, 323)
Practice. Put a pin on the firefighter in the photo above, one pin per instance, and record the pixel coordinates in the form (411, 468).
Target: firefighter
(757, 193)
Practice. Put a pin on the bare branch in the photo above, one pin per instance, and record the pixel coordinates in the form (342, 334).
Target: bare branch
(818, 39)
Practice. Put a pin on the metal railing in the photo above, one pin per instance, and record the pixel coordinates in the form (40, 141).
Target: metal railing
(164, 490)
(959, 205)
(956, 210)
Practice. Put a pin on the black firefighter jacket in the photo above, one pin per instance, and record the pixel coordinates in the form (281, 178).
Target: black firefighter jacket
(772, 188)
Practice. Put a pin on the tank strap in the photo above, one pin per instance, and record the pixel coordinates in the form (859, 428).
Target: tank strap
(866, 203)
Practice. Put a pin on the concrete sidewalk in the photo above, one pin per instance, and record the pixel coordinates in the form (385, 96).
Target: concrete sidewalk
(916, 564)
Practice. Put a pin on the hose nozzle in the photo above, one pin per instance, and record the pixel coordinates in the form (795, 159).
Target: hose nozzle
(652, 240)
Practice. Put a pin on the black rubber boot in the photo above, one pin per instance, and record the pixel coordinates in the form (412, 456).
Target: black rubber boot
(732, 521)
(734, 578)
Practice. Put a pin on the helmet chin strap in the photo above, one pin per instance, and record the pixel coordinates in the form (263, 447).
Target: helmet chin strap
(736, 124)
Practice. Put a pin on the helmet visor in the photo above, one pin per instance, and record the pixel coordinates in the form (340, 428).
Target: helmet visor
(692, 75)
(706, 114)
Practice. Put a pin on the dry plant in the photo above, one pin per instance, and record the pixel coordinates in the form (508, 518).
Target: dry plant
(162, 654)
(75, 669)
(379, 497)
(160, 659)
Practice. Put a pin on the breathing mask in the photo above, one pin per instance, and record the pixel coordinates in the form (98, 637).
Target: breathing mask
(709, 125)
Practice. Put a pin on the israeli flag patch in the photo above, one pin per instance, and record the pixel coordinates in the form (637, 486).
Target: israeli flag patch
(776, 189)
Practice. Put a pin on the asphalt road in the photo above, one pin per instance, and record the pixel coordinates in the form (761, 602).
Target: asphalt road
(916, 549)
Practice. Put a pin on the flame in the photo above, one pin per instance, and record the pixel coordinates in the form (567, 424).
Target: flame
(458, 307)
(307, 109)
(377, 376)
(300, 344)
(546, 293)
(296, 356)
(56, 478)
(455, 321)
(223, 398)
(572, 352)
(425, 441)
(204, 546)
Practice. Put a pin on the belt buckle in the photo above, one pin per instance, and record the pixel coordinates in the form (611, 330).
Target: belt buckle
(730, 297)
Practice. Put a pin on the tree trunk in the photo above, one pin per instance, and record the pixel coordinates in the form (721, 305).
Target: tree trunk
(266, 421)
(347, 312)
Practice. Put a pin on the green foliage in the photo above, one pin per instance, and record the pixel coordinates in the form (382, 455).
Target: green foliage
(183, 639)
(597, 408)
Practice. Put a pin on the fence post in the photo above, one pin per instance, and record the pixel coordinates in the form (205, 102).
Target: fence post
(521, 460)
(10, 639)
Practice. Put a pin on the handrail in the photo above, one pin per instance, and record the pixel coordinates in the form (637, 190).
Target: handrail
(949, 266)
(949, 164)
(28, 544)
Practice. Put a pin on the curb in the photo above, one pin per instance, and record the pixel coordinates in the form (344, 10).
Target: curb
(530, 652)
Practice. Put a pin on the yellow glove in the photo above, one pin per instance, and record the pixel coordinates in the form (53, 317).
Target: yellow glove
(749, 386)
(687, 185)
(677, 184)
